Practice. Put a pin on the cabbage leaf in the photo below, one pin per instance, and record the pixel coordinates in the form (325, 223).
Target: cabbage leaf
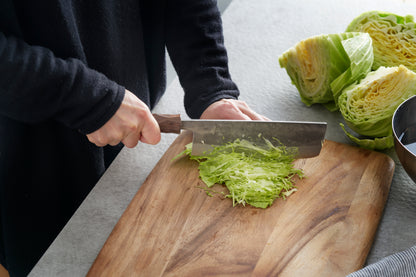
(371, 143)
(394, 37)
(321, 66)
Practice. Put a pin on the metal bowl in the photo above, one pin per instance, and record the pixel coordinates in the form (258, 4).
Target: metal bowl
(404, 131)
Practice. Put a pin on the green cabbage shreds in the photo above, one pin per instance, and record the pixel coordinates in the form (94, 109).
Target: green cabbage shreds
(394, 37)
(321, 66)
(368, 106)
(253, 175)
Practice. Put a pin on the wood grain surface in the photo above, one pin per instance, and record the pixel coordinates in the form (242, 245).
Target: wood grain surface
(173, 228)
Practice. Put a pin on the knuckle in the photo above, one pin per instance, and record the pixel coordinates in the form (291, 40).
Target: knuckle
(100, 141)
(115, 141)
(128, 144)
(229, 104)
(130, 127)
(143, 113)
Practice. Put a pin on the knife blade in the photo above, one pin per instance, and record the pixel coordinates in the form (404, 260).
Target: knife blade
(306, 137)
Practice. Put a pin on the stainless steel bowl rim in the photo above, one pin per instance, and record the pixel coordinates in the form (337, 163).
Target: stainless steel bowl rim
(397, 136)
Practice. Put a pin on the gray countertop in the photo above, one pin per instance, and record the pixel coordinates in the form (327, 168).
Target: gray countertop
(256, 33)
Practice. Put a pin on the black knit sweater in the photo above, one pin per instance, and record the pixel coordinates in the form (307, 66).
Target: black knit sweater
(64, 66)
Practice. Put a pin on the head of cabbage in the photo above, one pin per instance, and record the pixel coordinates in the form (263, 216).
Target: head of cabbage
(321, 66)
(368, 106)
(394, 37)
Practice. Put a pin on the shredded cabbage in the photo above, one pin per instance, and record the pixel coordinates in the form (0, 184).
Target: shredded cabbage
(394, 37)
(368, 106)
(254, 175)
(321, 66)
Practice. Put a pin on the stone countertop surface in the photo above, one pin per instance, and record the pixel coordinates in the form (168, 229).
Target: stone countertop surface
(256, 33)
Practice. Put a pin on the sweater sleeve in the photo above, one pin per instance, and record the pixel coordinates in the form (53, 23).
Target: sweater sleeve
(196, 47)
(36, 86)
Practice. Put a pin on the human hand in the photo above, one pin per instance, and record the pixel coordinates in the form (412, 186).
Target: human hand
(231, 109)
(133, 122)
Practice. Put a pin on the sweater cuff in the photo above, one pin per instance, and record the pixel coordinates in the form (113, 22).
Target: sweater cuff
(195, 109)
(103, 110)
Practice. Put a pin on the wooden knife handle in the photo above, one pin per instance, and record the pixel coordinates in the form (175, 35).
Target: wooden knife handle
(169, 123)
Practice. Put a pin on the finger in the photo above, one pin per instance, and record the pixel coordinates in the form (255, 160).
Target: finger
(95, 138)
(114, 135)
(239, 115)
(114, 142)
(252, 115)
(244, 108)
(131, 140)
(151, 132)
(107, 135)
(104, 142)
(264, 118)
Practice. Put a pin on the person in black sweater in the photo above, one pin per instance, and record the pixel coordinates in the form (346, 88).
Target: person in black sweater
(77, 82)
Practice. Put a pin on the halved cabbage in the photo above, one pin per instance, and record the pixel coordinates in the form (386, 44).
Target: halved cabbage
(321, 66)
(394, 37)
(368, 106)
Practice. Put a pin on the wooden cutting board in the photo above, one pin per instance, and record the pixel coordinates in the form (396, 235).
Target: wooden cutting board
(326, 228)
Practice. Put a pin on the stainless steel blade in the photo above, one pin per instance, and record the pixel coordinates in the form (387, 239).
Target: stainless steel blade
(307, 137)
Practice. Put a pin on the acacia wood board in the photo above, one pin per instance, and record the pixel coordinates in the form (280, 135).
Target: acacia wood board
(326, 228)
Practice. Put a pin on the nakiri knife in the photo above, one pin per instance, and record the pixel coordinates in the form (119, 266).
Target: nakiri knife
(306, 137)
